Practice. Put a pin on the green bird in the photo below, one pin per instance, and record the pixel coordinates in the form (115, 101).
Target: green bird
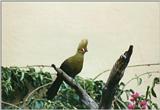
(72, 66)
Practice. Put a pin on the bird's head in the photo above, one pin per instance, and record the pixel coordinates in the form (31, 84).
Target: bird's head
(82, 47)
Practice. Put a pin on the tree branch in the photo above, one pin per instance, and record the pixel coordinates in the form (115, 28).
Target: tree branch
(115, 76)
(31, 93)
(3, 102)
(85, 98)
(30, 66)
(131, 66)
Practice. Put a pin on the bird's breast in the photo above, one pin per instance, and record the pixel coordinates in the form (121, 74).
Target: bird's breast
(73, 65)
(77, 66)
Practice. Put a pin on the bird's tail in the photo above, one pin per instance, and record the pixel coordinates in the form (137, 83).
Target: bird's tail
(52, 91)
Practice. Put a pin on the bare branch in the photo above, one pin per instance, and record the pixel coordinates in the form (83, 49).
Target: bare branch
(149, 72)
(114, 78)
(85, 98)
(130, 66)
(3, 102)
(29, 66)
(31, 93)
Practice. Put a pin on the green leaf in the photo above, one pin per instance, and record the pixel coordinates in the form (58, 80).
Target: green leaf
(38, 104)
(22, 76)
(153, 92)
(121, 85)
(41, 77)
(31, 69)
(139, 81)
(36, 74)
(155, 105)
(157, 80)
(131, 90)
(127, 94)
(147, 92)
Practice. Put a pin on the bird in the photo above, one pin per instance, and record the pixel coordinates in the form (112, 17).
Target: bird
(71, 66)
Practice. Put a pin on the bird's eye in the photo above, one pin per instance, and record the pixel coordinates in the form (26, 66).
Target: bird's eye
(82, 49)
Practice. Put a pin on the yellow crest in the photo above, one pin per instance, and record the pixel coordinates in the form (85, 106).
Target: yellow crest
(83, 44)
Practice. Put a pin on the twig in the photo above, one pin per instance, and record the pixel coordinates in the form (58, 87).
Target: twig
(119, 108)
(150, 64)
(28, 66)
(39, 66)
(85, 98)
(101, 74)
(31, 93)
(141, 75)
(131, 66)
(10, 104)
(121, 103)
(48, 78)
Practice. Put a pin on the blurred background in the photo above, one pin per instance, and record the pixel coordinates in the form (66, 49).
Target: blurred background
(46, 33)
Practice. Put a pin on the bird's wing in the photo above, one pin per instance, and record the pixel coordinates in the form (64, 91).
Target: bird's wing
(67, 67)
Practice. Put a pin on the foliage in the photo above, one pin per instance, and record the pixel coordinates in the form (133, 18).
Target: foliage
(16, 83)
(134, 99)
(14, 79)
(27, 79)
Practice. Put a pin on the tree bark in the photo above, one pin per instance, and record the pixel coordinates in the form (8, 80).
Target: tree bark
(116, 74)
(85, 98)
